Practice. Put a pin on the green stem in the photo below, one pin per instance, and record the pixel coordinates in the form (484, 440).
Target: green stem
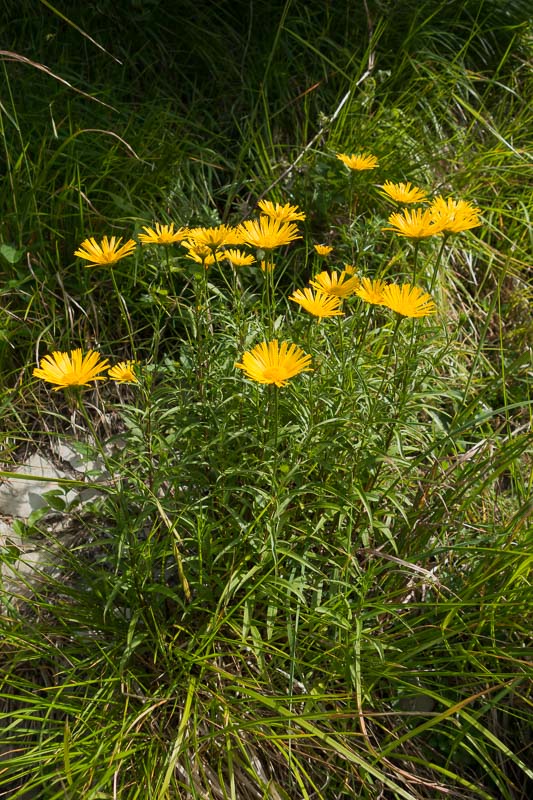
(437, 263)
(124, 313)
(386, 367)
(415, 264)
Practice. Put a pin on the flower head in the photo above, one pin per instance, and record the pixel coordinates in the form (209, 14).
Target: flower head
(371, 291)
(270, 363)
(163, 234)
(267, 266)
(215, 237)
(323, 249)
(266, 233)
(238, 259)
(319, 304)
(454, 216)
(72, 369)
(415, 224)
(201, 253)
(403, 192)
(124, 372)
(335, 284)
(358, 162)
(286, 213)
(106, 253)
(410, 301)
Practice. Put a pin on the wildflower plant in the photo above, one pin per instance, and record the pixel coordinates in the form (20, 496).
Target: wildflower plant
(271, 363)
(67, 370)
(286, 523)
(359, 162)
(403, 192)
(105, 253)
(163, 234)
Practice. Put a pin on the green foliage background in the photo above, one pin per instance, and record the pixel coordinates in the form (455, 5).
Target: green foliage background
(335, 607)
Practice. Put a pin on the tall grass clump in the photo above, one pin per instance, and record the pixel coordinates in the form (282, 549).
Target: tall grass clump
(287, 334)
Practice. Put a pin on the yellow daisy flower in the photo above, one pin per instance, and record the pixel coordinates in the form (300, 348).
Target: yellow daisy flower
(72, 369)
(403, 192)
(266, 233)
(323, 249)
(123, 372)
(163, 234)
(286, 213)
(106, 253)
(215, 237)
(358, 162)
(410, 301)
(202, 254)
(270, 363)
(371, 291)
(319, 304)
(267, 266)
(335, 284)
(416, 224)
(238, 259)
(454, 216)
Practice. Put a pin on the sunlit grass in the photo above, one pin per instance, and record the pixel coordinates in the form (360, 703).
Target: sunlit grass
(301, 578)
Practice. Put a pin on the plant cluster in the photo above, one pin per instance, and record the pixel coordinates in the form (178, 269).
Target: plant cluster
(300, 565)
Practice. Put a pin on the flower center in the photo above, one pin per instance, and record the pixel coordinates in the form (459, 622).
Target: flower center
(273, 374)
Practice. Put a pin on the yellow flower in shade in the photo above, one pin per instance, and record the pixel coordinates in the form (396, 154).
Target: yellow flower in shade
(454, 216)
(267, 266)
(106, 253)
(238, 259)
(403, 192)
(266, 233)
(72, 369)
(215, 237)
(410, 301)
(319, 304)
(415, 224)
(202, 254)
(358, 162)
(323, 249)
(371, 291)
(335, 284)
(163, 234)
(270, 363)
(123, 372)
(286, 213)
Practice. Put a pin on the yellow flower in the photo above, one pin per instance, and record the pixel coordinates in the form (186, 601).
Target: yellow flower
(106, 253)
(319, 304)
(454, 216)
(215, 237)
(123, 372)
(415, 224)
(334, 284)
(410, 301)
(371, 291)
(358, 162)
(286, 213)
(404, 192)
(323, 249)
(238, 259)
(202, 254)
(266, 233)
(71, 370)
(267, 266)
(268, 363)
(163, 234)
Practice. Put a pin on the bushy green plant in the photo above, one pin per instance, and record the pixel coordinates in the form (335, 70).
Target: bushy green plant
(318, 589)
